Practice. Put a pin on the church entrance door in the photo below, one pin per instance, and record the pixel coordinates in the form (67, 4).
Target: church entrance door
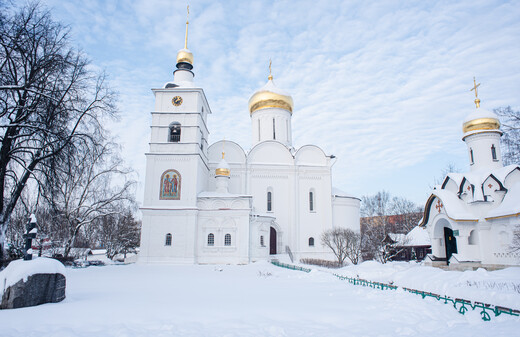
(450, 243)
(272, 242)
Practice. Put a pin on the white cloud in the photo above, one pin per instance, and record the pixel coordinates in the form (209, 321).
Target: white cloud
(384, 86)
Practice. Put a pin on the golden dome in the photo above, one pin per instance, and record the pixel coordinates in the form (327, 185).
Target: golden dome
(222, 172)
(222, 168)
(270, 97)
(185, 55)
(485, 123)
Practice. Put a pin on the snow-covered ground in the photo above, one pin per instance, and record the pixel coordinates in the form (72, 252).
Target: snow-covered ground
(253, 300)
(500, 287)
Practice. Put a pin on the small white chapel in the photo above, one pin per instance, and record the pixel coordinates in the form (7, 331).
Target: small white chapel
(471, 216)
(220, 204)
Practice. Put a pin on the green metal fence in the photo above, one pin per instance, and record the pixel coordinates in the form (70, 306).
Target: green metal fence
(290, 266)
(461, 305)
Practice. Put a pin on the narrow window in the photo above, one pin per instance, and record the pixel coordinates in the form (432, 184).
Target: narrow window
(311, 201)
(211, 239)
(471, 155)
(168, 241)
(493, 152)
(274, 130)
(269, 201)
(175, 132)
(311, 242)
(227, 240)
(262, 241)
(258, 130)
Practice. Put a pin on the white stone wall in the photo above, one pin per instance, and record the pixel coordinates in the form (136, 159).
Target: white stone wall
(181, 224)
(345, 212)
(262, 126)
(481, 143)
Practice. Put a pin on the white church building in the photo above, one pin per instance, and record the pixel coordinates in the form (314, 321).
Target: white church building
(221, 204)
(471, 217)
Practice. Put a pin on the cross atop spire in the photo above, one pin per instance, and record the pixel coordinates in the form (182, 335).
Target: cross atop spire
(186, 37)
(270, 77)
(475, 86)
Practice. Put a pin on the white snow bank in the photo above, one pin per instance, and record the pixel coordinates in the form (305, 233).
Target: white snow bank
(20, 269)
(501, 287)
(258, 299)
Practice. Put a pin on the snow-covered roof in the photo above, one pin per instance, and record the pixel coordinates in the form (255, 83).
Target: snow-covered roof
(340, 193)
(455, 208)
(399, 238)
(479, 113)
(510, 205)
(418, 236)
(270, 87)
(457, 204)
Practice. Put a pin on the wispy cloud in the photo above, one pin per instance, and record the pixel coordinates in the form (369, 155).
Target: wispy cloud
(383, 86)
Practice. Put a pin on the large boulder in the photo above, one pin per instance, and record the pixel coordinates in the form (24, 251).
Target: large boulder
(29, 283)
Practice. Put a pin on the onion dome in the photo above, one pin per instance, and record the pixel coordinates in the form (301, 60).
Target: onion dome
(269, 96)
(481, 119)
(184, 56)
(222, 168)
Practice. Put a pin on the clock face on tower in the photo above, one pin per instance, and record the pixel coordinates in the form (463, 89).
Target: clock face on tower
(177, 100)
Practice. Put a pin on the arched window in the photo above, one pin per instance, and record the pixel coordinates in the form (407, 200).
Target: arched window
(471, 156)
(211, 239)
(311, 201)
(227, 240)
(262, 241)
(274, 130)
(493, 152)
(311, 242)
(168, 241)
(269, 201)
(175, 132)
(473, 238)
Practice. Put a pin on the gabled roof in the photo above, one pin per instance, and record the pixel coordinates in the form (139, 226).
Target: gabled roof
(459, 210)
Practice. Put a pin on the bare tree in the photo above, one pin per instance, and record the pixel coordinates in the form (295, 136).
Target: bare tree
(86, 188)
(344, 243)
(511, 137)
(383, 217)
(407, 215)
(354, 245)
(48, 98)
(120, 233)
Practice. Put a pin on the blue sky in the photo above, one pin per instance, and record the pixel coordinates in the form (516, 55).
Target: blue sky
(382, 85)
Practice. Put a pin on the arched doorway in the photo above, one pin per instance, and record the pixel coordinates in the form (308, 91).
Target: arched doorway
(450, 243)
(272, 241)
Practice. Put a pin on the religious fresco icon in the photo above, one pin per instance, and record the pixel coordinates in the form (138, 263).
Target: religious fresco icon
(170, 185)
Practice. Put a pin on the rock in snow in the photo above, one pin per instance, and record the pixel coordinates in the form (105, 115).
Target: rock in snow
(30, 283)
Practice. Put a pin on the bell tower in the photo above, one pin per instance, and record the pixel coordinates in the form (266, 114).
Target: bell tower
(176, 166)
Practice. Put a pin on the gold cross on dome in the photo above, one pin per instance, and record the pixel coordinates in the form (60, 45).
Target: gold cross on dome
(270, 75)
(475, 86)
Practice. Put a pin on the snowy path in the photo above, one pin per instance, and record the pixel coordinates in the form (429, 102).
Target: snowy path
(137, 300)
